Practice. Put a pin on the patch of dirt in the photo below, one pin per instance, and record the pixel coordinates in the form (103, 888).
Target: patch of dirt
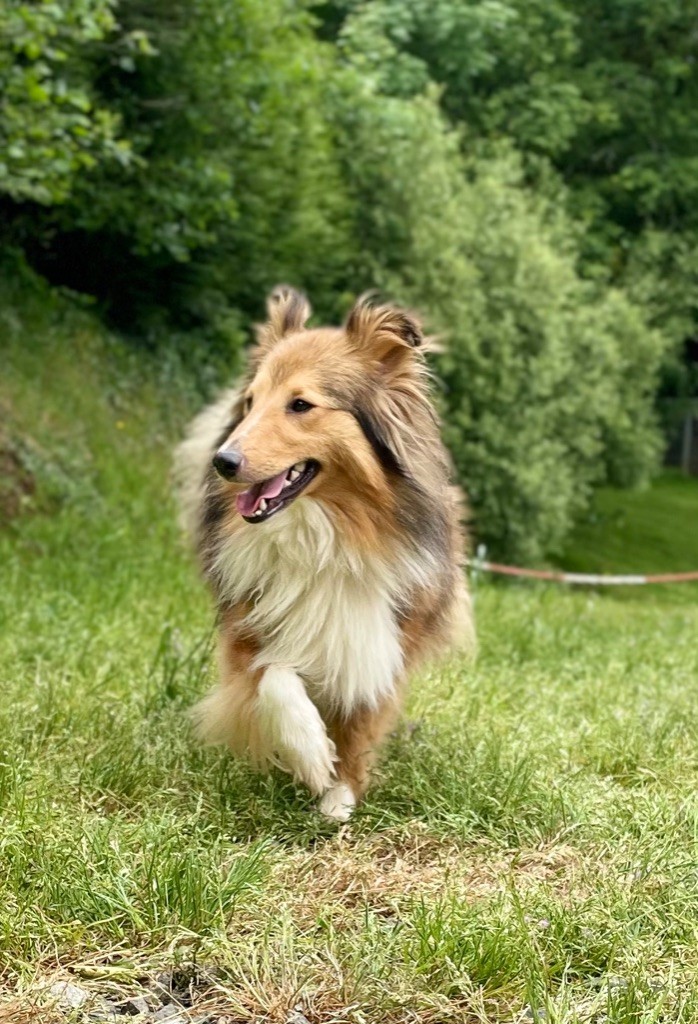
(17, 481)
(178, 996)
(380, 872)
(338, 879)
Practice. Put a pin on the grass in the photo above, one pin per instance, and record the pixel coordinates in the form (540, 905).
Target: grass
(646, 531)
(529, 851)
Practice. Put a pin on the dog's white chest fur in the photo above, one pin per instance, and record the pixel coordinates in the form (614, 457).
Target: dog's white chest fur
(319, 607)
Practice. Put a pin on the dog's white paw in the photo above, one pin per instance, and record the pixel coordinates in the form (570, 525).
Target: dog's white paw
(292, 733)
(313, 764)
(338, 802)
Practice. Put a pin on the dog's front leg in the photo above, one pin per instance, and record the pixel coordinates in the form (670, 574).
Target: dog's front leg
(357, 737)
(291, 731)
(266, 715)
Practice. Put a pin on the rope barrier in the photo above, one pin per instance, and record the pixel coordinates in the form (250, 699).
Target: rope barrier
(583, 578)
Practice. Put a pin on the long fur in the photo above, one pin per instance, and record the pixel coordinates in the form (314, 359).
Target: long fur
(326, 607)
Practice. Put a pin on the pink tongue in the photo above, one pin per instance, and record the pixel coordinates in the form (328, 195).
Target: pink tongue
(247, 503)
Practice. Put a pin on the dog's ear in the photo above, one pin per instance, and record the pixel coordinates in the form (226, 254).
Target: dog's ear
(384, 334)
(393, 405)
(287, 310)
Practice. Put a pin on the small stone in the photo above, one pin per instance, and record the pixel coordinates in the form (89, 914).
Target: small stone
(296, 1017)
(105, 1012)
(169, 1013)
(162, 982)
(136, 1006)
(69, 996)
(541, 1014)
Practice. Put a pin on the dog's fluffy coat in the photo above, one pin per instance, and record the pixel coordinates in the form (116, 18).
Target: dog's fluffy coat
(333, 596)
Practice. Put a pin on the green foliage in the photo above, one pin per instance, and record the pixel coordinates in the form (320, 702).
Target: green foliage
(547, 378)
(604, 93)
(522, 172)
(234, 181)
(51, 128)
(549, 383)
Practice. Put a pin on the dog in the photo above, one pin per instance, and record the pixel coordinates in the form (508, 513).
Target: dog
(317, 493)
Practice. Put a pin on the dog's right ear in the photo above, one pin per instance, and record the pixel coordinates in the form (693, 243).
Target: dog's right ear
(288, 310)
(386, 335)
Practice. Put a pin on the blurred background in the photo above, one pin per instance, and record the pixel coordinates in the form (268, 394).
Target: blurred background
(523, 172)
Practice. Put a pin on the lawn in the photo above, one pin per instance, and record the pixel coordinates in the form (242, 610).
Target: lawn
(645, 531)
(528, 852)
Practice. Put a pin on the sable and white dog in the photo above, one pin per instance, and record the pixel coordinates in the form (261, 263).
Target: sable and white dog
(317, 493)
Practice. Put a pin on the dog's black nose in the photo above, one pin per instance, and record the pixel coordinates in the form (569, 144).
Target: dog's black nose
(226, 462)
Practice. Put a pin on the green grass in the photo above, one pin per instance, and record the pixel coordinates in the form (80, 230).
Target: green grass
(645, 531)
(532, 838)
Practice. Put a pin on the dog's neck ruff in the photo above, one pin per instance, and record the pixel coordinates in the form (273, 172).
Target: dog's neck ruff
(320, 606)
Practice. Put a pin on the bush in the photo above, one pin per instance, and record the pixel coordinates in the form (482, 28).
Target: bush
(51, 128)
(547, 379)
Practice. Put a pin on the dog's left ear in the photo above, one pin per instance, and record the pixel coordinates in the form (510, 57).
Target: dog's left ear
(288, 310)
(390, 409)
(384, 334)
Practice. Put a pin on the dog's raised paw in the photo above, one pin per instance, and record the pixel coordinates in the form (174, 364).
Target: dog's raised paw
(338, 802)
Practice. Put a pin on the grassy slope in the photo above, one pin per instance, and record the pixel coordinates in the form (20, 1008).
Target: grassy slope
(533, 840)
(641, 531)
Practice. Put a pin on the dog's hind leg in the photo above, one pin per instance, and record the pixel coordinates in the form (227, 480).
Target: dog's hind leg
(357, 738)
(226, 714)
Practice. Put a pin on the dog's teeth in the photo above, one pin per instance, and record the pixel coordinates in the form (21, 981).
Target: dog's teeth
(294, 474)
(301, 466)
(262, 505)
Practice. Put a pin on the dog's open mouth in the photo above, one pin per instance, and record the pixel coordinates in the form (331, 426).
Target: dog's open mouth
(262, 500)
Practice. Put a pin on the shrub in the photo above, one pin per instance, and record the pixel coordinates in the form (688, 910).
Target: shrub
(547, 379)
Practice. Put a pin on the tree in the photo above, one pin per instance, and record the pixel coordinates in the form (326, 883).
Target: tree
(547, 380)
(51, 126)
(464, 156)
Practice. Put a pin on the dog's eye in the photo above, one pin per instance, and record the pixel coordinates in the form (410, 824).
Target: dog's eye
(299, 405)
(247, 405)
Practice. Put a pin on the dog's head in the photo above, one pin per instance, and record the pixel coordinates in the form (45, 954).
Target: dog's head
(326, 411)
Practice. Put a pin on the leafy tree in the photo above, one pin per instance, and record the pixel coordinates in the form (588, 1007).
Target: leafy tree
(233, 184)
(51, 127)
(496, 163)
(604, 93)
(547, 379)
